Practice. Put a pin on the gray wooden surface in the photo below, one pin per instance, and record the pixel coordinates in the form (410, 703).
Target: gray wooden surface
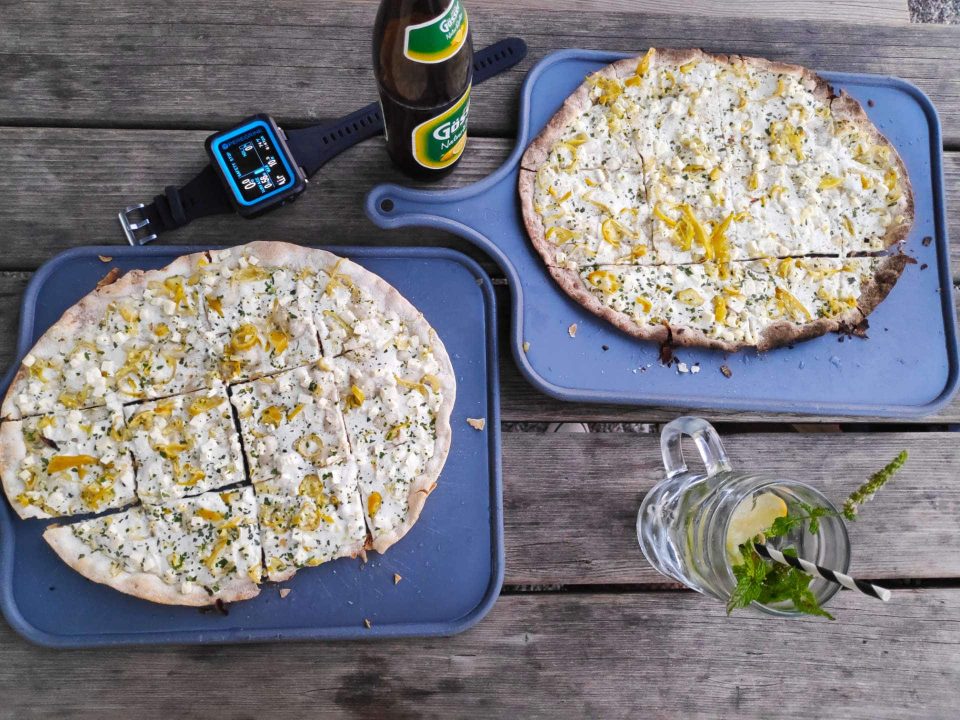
(141, 63)
(867, 11)
(103, 104)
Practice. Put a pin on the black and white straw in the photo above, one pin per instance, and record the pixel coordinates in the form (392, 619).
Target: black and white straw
(821, 572)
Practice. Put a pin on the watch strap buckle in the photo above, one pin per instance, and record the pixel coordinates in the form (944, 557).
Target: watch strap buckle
(131, 228)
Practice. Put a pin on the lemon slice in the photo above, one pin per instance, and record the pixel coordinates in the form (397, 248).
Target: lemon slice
(753, 516)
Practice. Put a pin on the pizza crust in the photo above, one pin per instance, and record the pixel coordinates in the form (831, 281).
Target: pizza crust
(425, 483)
(98, 567)
(845, 107)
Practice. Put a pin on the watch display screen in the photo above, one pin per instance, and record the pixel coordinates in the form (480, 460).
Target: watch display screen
(253, 162)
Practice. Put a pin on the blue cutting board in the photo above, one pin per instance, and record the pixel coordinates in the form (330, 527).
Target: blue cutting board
(907, 367)
(451, 561)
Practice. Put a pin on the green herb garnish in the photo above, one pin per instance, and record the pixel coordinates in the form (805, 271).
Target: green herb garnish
(767, 582)
(870, 487)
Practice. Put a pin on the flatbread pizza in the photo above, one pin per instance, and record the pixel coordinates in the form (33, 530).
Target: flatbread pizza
(717, 201)
(257, 410)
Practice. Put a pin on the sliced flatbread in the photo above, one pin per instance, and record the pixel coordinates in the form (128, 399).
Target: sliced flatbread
(193, 551)
(740, 160)
(237, 365)
(291, 425)
(69, 463)
(322, 522)
(184, 445)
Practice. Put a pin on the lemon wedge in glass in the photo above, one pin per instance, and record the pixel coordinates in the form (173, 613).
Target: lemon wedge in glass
(753, 516)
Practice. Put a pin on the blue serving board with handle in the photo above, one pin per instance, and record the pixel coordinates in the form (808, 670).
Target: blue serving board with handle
(451, 561)
(907, 367)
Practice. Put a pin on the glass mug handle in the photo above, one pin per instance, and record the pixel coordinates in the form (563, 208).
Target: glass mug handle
(705, 438)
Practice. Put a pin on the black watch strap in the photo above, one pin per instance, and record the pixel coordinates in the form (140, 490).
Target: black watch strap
(312, 147)
(202, 196)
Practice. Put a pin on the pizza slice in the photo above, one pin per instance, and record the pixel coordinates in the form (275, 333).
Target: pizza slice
(879, 208)
(322, 522)
(775, 113)
(290, 425)
(352, 307)
(258, 311)
(67, 463)
(184, 445)
(141, 336)
(303, 472)
(678, 121)
(784, 210)
(595, 217)
(396, 404)
(192, 551)
(690, 210)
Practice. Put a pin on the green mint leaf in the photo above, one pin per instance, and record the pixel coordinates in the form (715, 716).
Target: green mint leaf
(783, 525)
(806, 602)
(870, 487)
(750, 575)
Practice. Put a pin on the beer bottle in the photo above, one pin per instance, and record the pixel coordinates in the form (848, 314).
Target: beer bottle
(423, 61)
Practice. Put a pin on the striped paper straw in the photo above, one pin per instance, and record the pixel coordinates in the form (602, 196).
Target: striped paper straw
(821, 572)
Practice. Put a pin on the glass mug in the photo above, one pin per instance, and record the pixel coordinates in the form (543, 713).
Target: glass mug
(684, 520)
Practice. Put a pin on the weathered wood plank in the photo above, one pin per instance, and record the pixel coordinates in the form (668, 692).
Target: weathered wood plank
(571, 500)
(56, 198)
(866, 11)
(673, 654)
(175, 64)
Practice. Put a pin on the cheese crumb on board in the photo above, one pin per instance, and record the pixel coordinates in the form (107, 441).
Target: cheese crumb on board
(477, 423)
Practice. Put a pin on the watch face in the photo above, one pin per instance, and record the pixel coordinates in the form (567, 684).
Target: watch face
(255, 165)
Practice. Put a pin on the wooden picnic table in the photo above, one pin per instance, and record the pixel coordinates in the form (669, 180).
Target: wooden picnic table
(102, 104)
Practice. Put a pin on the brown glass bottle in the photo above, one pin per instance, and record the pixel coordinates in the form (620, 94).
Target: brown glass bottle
(423, 62)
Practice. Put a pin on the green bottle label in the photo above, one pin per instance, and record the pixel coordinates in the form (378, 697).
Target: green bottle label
(439, 141)
(437, 40)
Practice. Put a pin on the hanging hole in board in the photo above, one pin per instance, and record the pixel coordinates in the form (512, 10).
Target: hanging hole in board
(386, 205)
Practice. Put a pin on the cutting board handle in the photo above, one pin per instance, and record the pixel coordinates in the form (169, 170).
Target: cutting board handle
(475, 213)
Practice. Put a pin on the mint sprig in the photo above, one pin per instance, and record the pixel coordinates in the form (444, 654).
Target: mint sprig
(767, 582)
(870, 487)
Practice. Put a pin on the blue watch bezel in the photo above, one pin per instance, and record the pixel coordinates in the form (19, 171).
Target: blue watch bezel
(252, 208)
